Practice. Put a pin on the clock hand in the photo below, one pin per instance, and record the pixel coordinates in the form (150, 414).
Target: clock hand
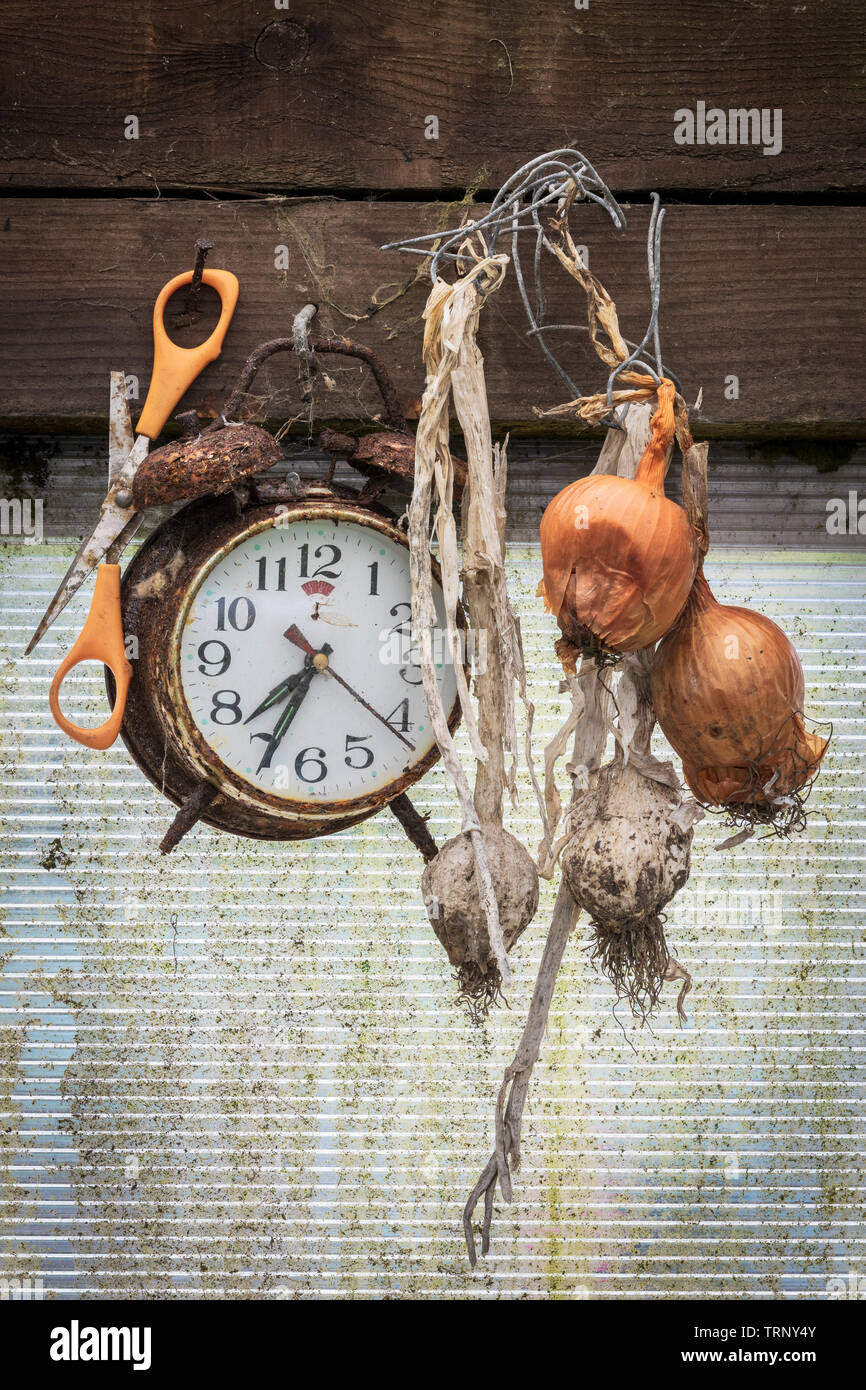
(295, 635)
(286, 686)
(295, 687)
(274, 739)
(277, 695)
(361, 701)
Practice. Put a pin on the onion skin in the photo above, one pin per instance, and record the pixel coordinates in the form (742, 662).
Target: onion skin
(728, 692)
(618, 556)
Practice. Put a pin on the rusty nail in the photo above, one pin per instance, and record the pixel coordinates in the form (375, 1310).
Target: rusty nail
(202, 247)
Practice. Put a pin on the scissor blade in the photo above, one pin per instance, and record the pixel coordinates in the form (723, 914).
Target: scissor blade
(116, 525)
(120, 433)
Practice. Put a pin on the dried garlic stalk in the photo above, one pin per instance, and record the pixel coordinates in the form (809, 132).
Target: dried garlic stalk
(465, 907)
(620, 454)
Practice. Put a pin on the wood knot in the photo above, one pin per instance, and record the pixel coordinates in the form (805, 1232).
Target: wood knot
(282, 45)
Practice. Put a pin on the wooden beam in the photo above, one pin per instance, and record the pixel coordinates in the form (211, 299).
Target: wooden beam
(768, 295)
(337, 96)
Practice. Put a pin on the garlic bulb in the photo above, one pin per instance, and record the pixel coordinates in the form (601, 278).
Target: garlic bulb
(454, 907)
(628, 854)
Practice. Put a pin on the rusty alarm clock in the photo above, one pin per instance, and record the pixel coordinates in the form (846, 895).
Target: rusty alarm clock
(275, 690)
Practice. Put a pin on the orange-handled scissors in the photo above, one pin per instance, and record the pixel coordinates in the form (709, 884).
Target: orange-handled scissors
(101, 639)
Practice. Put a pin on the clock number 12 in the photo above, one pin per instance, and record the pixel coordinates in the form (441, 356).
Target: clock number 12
(322, 572)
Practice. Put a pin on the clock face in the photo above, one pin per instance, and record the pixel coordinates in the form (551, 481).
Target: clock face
(295, 660)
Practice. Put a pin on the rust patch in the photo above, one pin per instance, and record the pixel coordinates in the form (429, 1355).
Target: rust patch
(389, 452)
(212, 463)
(157, 583)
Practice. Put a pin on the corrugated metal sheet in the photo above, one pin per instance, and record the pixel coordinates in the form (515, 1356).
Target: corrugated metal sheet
(69, 474)
(241, 1072)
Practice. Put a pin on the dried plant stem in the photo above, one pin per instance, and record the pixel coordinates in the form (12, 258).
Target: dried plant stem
(620, 454)
(454, 363)
(695, 500)
(604, 332)
(490, 777)
(505, 1158)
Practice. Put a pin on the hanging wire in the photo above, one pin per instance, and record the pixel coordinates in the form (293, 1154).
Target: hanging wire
(543, 180)
(550, 184)
(653, 252)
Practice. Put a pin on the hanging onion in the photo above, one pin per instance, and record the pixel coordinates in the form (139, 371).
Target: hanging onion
(728, 691)
(618, 556)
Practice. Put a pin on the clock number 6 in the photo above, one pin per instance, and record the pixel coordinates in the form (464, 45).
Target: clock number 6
(366, 753)
(307, 757)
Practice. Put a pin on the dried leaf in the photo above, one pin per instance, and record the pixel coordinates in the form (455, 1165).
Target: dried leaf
(455, 367)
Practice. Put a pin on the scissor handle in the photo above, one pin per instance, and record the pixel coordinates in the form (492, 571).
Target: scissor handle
(101, 639)
(176, 368)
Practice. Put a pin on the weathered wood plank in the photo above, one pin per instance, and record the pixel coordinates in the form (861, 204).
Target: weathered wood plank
(772, 296)
(337, 96)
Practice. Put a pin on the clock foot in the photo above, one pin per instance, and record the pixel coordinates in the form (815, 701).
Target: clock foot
(191, 810)
(415, 826)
